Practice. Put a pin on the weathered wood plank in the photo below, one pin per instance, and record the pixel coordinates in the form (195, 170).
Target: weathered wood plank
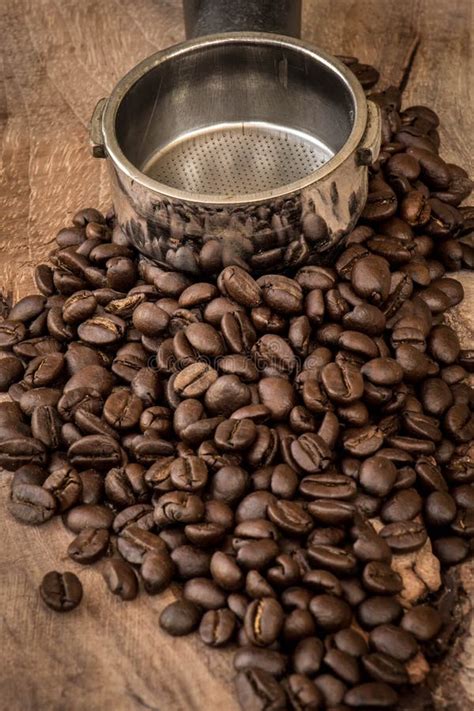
(59, 57)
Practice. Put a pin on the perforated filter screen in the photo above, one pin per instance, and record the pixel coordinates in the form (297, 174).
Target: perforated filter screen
(237, 159)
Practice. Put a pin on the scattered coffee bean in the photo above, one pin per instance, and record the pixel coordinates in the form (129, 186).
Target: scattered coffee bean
(61, 592)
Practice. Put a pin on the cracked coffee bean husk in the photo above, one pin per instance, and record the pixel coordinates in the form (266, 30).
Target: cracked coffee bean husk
(280, 447)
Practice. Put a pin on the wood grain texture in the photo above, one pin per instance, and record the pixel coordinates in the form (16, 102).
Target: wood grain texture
(58, 58)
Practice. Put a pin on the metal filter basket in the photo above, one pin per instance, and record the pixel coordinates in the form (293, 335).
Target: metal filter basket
(240, 147)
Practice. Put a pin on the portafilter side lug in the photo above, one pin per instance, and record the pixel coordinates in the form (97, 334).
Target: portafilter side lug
(369, 147)
(95, 130)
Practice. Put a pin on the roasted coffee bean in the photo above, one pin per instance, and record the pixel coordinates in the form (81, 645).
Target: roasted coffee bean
(333, 559)
(263, 621)
(257, 689)
(377, 475)
(450, 549)
(380, 579)
(178, 506)
(89, 545)
(375, 694)
(156, 571)
(310, 453)
(235, 435)
(11, 370)
(308, 656)
(66, 486)
(204, 593)
(404, 536)
(422, 621)
(439, 509)
(29, 474)
(126, 485)
(123, 409)
(281, 293)
(31, 504)
(290, 517)
(88, 516)
(139, 514)
(121, 579)
(180, 617)
(260, 658)
(46, 426)
(226, 572)
(343, 665)
(96, 451)
(330, 612)
(188, 473)
(61, 592)
(363, 441)
(393, 641)
(402, 506)
(217, 627)
(378, 610)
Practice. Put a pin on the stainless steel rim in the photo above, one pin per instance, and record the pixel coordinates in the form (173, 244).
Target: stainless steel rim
(122, 163)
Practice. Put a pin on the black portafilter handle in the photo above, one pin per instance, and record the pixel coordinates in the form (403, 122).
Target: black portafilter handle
(206, 17)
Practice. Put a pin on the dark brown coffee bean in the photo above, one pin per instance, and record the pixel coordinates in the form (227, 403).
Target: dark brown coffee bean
(404, 536)
(439, 509)
(343, 665)
(303, 693)
(383, 371)
(370, 278)
(123, 409)
(402, 506)
(226, 572)
(178, 506)
(29, 474)
(188, 473)
(66, 486)
(204, 593)
(378, 610)
(310, 453)
(235, 435)
(121, 579)
(95, 451)
(259, 658)
(88, 516)
(61, 592)
(377, 475)
(156, 571)
(89, 545)
(31, 504)
(331, 512)
(263, 621)
(290, 517)
(281, 293)
(126, 486)
(380, 579)
(330, 612)
(258, 690)
(450, 549)
(328, 486)
(333, 559)
(363, 441)
(371, 694)
(393, 641)
(331, 688)
(217, 627)
(238, 285)
(180, 618)
(11, 370)
(422, 621)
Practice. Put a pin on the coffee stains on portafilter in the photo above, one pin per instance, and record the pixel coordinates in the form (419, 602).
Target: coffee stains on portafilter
(276, 445)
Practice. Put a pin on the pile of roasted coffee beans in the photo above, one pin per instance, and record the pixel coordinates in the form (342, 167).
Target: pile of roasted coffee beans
(276, 445)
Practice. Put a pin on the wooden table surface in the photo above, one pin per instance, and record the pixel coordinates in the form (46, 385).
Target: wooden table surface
(59, 57)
